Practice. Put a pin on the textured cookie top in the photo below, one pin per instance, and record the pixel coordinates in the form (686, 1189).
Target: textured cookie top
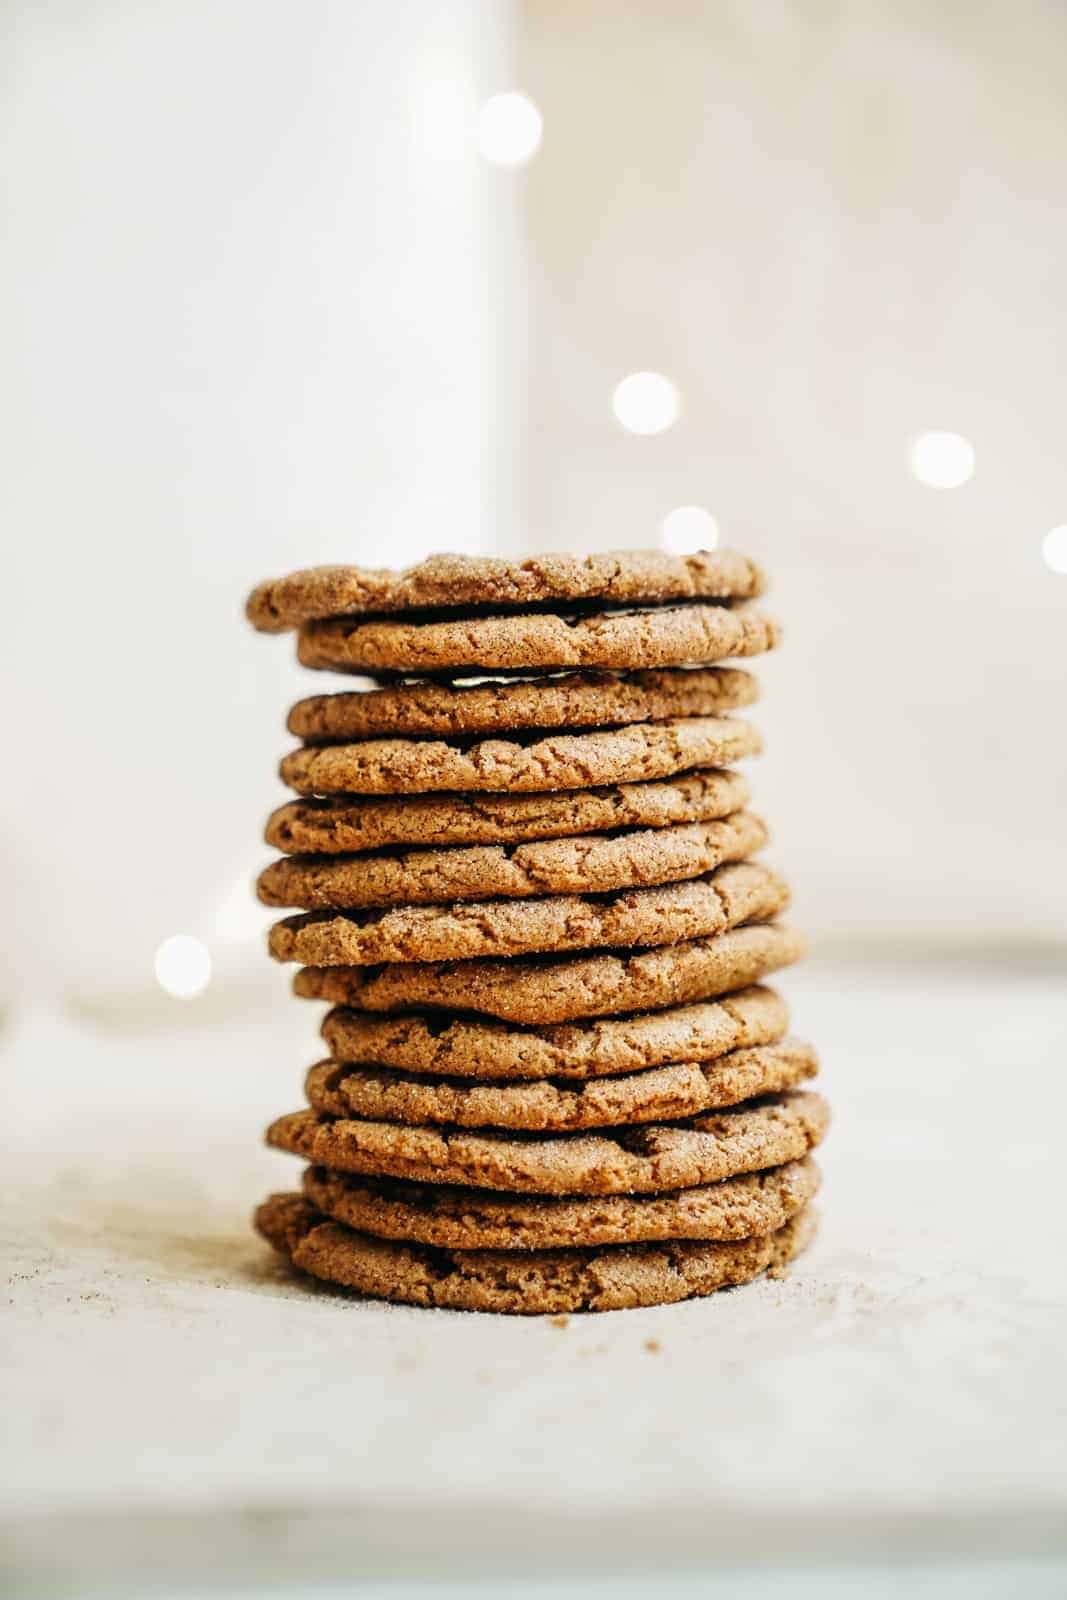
(732, 894)
(632, 754)
(355, 823)
(580, 699)
(657, 1094)
(643, 1159)
(478, 1048)
(524, 1283)
(616, 578)
(559, 989)
(669, 636)
(473, 1219)
(590, 863)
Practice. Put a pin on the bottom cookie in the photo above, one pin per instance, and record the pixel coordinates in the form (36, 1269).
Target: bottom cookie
(529, 1283)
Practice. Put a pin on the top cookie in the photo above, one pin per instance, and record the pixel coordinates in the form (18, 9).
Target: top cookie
(664, 636)
(618, 578)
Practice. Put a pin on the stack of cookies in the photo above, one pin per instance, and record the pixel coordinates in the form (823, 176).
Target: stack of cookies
(523, 869)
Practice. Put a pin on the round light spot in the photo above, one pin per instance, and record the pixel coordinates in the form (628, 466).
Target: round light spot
(1054, 549)
(687, 529)
(942, 460)
(509, 129)
(183, 966)
(646, 402)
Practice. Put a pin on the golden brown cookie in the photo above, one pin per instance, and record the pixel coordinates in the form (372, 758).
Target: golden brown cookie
(476, 1219)
(589, 864)
(474, 1047)
(524, 1283)
(579, 700)
(619, 578)
(632, 754)
(658, 1094)
(561, 988)
(667, 636)
(354, 823)
(643, 1159)
(462, 930)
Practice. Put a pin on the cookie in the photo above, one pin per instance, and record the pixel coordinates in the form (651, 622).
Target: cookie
(354, 823)
(683, 1089)
(560, 989)
(669, 636)
(460, 1047)
(632, 754)
(591, 864)
(580, 700)
(473, 1219)
(444, 581)
(462, 930)
(646, 1158)
(524, 1283)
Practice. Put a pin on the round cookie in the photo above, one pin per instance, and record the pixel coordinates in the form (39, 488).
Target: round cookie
(470, 1219)
(732, 894)
(586, 699)
(615, 578)
(353, 823)
(462, 1047)
(589, 864)
(669, 636)
(525, 1283)
(659, 1094)
(632, 754)
(646, 1158)
(560, 989)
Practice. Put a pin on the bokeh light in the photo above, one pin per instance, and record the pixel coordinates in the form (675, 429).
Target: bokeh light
(942, 460)
(687, 529)
(183, 966)
(509, 129)
(646, 402)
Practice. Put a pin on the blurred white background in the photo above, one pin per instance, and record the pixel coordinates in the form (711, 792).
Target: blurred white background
(266, 302)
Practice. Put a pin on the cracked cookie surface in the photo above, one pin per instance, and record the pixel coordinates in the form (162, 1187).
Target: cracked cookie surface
(645, 1158)
(658, 1094)
(667, 636)
(590, 864)
(735, 893)
(484, 1047)
(474, 1219)
(617, 577)
(561, 989)
(632, 754)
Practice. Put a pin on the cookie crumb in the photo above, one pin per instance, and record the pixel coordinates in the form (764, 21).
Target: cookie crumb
(560, 1322)
(653, 1345)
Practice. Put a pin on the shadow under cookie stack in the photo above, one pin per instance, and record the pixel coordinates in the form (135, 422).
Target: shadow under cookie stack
(524, 867)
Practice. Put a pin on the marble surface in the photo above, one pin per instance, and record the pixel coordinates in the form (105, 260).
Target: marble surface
(176, 1404)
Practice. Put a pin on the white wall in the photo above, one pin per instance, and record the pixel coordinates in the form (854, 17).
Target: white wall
(834, 226)
(256, 303)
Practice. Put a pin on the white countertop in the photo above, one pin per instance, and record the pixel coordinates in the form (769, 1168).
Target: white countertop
(176, 1402)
